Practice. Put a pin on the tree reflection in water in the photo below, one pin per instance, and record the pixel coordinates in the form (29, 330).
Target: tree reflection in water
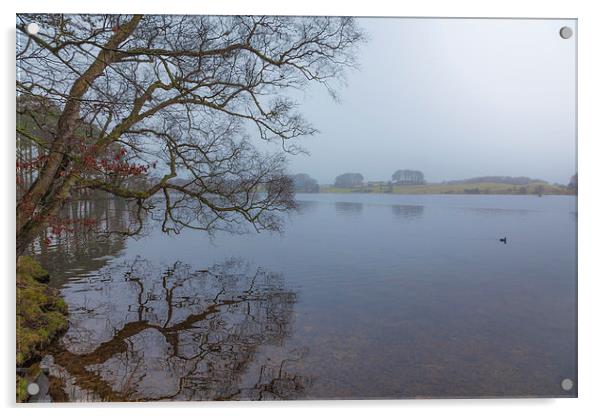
(141, 333)
(348, 208)
(83, 249)
(408, 212)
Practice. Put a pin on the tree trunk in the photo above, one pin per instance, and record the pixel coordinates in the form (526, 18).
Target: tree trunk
(24, 239)
(44, 198)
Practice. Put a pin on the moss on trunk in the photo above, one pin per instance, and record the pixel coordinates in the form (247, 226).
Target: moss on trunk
(41, 317)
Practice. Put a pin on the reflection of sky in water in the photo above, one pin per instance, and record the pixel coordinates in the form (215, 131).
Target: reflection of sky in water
(407, 211)
(348, 208)
(139, 331)
(395, 296)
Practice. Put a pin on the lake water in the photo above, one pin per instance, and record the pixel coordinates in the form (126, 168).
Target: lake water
(362, 296)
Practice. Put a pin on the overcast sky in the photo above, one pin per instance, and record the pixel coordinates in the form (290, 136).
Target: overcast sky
(454, 98)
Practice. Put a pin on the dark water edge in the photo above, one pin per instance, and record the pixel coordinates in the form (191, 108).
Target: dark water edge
(364, 296)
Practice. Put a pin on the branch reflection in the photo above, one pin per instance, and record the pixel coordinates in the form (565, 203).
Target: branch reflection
(138, 332)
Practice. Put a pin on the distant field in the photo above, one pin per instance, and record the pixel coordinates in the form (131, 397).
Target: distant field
(465, 188)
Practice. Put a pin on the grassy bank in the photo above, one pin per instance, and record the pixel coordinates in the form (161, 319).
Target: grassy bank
(533, 188)
(41, 317)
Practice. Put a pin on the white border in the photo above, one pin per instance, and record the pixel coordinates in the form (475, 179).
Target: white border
(590, 274)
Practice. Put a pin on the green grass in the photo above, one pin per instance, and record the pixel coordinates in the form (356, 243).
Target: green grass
(532, 188)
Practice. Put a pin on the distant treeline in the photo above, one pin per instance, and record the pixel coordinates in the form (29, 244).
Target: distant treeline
(412, 181)
(510, 180)
(305, 183)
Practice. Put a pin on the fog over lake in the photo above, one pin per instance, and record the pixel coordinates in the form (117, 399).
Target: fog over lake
(455, 98)
(363, 296)
(200, 261)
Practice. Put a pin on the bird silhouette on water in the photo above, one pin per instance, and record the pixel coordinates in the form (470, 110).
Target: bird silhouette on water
(504, 240)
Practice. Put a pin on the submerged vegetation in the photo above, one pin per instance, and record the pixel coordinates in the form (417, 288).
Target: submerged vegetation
(41, 317)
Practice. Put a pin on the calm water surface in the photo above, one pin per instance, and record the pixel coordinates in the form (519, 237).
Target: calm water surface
(362, 296)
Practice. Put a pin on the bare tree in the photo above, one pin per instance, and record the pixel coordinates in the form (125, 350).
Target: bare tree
(305, 183)
(408, 177)
(173, 96)
(573, 182)
(349, 180)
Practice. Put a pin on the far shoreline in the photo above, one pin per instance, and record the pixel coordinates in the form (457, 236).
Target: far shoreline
(482, 188)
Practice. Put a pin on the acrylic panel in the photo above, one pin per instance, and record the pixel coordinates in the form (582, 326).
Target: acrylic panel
(284, 208)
